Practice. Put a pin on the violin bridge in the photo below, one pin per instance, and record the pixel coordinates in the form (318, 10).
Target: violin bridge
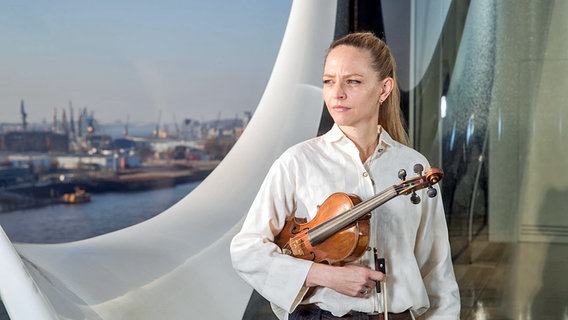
(297, 247)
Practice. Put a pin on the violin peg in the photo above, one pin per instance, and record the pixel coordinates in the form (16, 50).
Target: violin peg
(414, 198)
(402, 174)
(418, 168)
(432, 192)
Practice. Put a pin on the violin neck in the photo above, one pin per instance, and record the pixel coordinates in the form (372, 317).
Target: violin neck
(321, 232)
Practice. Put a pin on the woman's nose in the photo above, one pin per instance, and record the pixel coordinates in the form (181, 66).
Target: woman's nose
(339, 91)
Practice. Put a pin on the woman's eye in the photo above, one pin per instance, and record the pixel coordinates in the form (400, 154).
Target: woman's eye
(326, 81)
(352, 81)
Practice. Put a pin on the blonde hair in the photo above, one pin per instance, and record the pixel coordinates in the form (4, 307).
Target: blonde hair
(390, 114)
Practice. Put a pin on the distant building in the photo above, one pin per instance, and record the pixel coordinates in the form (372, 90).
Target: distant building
(12, 176)
(99, 142)
(32, 162)
(99, 162)
(34, 141)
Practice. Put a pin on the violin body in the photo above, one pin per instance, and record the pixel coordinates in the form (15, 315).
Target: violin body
(339, 233)
(346, 245)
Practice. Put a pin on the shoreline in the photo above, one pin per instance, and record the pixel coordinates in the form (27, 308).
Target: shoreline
(156, 176)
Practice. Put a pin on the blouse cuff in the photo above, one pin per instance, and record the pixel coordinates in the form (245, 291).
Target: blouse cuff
(287, 277)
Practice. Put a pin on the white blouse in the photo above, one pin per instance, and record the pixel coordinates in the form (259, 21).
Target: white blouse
(413, 239)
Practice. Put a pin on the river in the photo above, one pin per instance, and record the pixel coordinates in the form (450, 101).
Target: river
(105, 213)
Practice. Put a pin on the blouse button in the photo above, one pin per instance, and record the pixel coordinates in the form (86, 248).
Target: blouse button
(380, 150)
(365, 174)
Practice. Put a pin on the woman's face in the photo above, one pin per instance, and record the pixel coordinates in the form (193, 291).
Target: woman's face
(351, 88)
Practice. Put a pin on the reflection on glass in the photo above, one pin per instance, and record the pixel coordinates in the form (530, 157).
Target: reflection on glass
(503, 151)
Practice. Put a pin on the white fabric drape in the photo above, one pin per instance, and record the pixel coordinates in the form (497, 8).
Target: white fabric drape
(177, 265)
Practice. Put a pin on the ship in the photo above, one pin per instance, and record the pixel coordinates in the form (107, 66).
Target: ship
(77, 197)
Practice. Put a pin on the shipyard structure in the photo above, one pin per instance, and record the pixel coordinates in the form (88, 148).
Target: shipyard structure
(45, 163)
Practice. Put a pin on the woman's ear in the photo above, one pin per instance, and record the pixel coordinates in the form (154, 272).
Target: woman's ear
(387, 86)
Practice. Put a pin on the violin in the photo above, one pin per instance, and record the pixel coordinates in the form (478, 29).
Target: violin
(339, 233)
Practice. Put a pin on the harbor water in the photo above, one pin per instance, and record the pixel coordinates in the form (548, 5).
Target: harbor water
(106, 212)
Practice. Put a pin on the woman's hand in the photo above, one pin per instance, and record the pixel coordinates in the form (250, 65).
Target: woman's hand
(354, 280)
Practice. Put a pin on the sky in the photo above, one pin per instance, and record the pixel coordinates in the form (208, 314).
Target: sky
(137, 61)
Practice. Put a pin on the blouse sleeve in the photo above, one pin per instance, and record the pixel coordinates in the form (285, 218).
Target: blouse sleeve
(277, 277)
(433, 255)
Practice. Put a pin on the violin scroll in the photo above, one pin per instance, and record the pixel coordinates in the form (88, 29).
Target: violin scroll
(426, 180)
(434, 175)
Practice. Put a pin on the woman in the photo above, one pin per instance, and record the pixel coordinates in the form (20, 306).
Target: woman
(361, 154)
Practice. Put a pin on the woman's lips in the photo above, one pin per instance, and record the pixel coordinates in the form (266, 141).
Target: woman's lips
(340, 108)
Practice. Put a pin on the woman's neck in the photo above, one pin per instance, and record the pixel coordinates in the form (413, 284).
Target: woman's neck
(366, 140)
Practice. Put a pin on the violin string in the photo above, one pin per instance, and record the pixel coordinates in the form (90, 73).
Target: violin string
(333, 225)
(340, 221)
(323, 231)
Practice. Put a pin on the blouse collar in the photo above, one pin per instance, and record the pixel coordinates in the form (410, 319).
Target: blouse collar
(335, 134)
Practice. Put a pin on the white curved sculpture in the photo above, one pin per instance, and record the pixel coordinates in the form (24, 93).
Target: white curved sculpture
(177, 265)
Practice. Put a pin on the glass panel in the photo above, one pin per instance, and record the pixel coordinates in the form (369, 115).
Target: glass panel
(499, 78)
(130, 103)
(124, 100)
